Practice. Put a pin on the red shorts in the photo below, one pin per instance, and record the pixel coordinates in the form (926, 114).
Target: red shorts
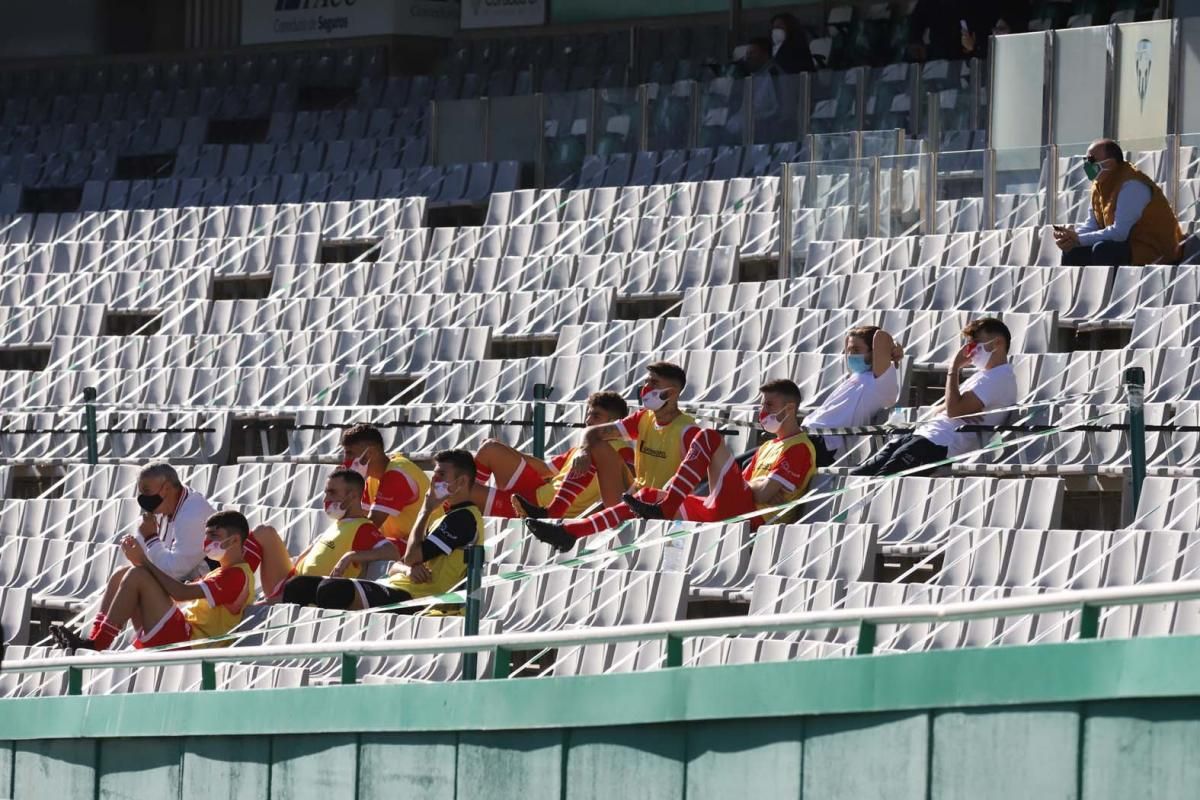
(525, 482)
(173, 628)
(730, 498)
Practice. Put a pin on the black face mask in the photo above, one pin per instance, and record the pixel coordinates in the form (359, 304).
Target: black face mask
(149, 502)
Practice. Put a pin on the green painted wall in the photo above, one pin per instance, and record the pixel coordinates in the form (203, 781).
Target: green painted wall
(1106, 719)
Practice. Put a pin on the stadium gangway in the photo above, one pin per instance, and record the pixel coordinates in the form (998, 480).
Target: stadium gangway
(1089, 603)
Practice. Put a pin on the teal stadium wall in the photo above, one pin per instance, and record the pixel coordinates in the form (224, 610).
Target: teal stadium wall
(1099, 719)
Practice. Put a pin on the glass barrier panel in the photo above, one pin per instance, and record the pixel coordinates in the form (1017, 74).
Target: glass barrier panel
(1187, 192)
(1019, 185)
(900, 181)
(834, 101)
(1081, 59)
(958, 199)
(723, 112)
(778, 100)
(1018, 63)
(1189, 74)
(891, 100)
(461, 132)
(832, 200)
(568, 121)
(882, 143)
(834, 146)
(512, 127)
(669, 107)
(619, 127)
(1142, 80)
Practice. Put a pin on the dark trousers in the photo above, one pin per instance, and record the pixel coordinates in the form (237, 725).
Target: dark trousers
(310, 590)
(1101, 254)
(825, 456)
(902, 453)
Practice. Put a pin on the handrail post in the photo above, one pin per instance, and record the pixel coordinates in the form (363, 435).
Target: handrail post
(674, 651)
(474, 555)
(1135, 390)
(208, 676)
(501, 662)
(1089, 621)
(74, 681)
(541, 392)
(786, 226)
(89, 425)
(349, 669)
(866, 638)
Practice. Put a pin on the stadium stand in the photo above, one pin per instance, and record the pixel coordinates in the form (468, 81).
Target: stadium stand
(262, 249)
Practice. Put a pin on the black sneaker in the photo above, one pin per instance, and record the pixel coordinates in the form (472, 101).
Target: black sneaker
(67, 639)
(526, 509)
(551, 533)
(641, 508)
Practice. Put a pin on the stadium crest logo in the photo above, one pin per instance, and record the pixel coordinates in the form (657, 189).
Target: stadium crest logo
(1142, 65)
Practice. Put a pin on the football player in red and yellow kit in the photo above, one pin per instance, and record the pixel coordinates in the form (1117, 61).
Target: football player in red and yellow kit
(779, 472)
(166, 611)
(538, 482)
(661, 434)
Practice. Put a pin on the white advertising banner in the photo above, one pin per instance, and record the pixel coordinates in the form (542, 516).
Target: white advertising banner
(266, 21)
(1143, 80)
(502, 13)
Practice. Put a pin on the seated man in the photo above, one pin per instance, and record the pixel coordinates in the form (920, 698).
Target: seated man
(779, 472)
(537, 482)
(166, 611)
(873, 385)
(351, 541)
(663, 434)
(433, 560)
(1131, 221)
(993, 386)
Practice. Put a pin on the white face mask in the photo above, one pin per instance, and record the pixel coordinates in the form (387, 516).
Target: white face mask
(214, 550)
(654, 399)
(359, 465)
(335, 511)
(778, 36)
(441, 490)
(771, 423)
(980, 357)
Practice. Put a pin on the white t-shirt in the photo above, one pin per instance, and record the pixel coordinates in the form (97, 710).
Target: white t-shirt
(854, 403)
(179, 550)
(995, 388)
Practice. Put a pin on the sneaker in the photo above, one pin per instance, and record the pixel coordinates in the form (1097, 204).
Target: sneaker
(551, 533)
(526, 509)
(641, 508)
(67, 639)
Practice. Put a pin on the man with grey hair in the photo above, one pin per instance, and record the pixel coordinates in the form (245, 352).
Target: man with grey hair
(172, 526)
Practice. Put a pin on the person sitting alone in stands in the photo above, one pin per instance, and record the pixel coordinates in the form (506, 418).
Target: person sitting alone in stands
(538, 482)
(873, 385)
(1131, 222)
(166, 611)
(351, 541)
(778, 473)
(433, 560)
(662, 433)
(983, 399)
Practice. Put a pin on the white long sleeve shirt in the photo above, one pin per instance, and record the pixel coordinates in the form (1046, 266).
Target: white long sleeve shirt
(179, 548)
(1131, 202)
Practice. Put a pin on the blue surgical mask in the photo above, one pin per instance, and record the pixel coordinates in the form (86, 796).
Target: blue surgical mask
(857, 363)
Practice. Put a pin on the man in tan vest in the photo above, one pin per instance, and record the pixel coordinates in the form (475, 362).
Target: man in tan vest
(1131, 222)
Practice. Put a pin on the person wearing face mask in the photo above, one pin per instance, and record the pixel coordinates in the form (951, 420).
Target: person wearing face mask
(433, 560)
(778, 473)
(1131, 222)
(872, 386)
(538, 482)
(983, 399)
(661, 433)
(394, 484)
(172, 526)
(789, 45)
(166, 611)
(350, 541)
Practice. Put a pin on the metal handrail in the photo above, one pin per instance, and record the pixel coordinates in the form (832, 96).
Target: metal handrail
(1089, 602)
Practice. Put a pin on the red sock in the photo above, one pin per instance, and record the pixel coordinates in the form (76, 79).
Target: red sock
(103, 638)
(99, 622)
(604, 520)
(568, 492)
(691, 471)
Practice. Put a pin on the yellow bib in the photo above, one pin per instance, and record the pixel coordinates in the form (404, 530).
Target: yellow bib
(659, 451)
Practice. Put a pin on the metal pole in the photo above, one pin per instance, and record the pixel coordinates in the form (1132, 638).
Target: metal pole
(474, 556)
(541, 392)
(1135, 387)
(786, 229)
(89, 424)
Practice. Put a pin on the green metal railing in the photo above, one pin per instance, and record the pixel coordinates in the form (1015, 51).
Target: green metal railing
(1089, 603)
